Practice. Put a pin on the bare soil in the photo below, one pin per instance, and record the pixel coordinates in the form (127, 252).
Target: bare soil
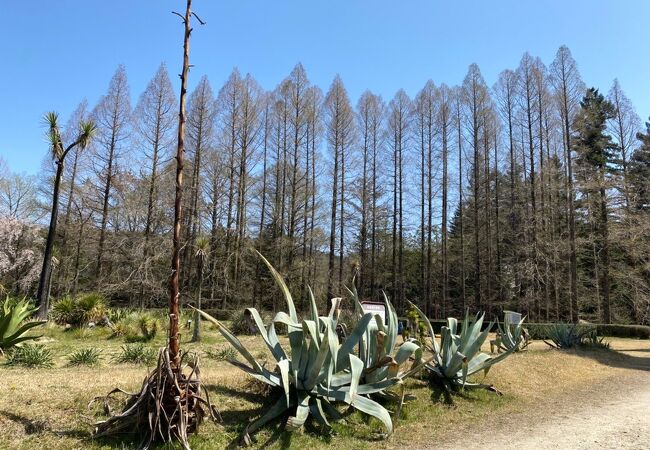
(611, 414)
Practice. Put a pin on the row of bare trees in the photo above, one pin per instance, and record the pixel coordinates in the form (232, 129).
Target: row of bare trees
(468, 196)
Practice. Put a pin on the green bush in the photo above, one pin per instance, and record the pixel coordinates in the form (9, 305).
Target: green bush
(80, 311)
(85, 357)
(30, 355)
(222, 354)
(137, 354)
(137, 327)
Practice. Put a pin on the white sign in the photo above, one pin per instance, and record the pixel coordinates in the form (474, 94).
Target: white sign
(512, 317)
(378, 309)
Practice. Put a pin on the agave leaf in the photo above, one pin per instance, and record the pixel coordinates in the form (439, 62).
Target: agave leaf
(455, 364)
(274, 346)
(352, 340)
(356, 369)
(391, 333)
(226, 333)
(405, 351)
(280, 407)
(283, 287)
(302, 412)
(313, 309)
(316, 409)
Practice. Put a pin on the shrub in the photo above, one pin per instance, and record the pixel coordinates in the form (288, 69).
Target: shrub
(30, 355)
(591, 339)
(13, 325)
(137, 327)
(137, 354)
(80, 311)
(85, 357)
(221, 354)
(148, 327)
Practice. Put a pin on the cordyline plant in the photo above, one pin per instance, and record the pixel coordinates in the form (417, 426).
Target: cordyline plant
(170, 403)
(59, 152)
(458, 356)
(316, 372)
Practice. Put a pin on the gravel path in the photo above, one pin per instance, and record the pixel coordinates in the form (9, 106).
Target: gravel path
(612, 415)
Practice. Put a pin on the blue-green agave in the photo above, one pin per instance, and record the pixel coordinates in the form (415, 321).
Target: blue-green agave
(316, 371)
(458, 355)
(13, 325)
(512, 335)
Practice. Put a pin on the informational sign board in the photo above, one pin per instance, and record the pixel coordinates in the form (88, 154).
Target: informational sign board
(375, 308)
(511, 316)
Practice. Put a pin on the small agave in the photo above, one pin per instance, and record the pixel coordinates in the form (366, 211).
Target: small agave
(512, 335)
(458, 356)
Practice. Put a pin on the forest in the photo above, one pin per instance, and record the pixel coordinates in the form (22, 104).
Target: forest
(531, 194)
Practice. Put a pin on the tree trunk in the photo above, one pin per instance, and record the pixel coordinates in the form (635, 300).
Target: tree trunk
(43, 283)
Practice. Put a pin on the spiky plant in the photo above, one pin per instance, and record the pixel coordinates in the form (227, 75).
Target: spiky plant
(564, 335)
(30, 355)
(85, 357)
(14, 323)
(316, 372)
(377, 346)
(512, 335)
(458, 355)
(86, 132)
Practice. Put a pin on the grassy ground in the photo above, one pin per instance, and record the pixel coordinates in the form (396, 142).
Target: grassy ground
(48, 408)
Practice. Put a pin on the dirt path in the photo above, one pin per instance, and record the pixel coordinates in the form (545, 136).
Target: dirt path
(610, 415)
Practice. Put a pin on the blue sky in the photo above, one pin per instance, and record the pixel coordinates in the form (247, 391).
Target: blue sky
(55, 53)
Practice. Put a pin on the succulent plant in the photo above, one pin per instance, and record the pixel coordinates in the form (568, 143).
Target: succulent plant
(316, 372)
(565, 335)
(458, 355)
(13, 324)
(512, 335)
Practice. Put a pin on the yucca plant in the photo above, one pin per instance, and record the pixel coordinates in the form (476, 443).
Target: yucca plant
(564, 335)
(85, 357)
(316, 371)
(458, 355)
(14, 324)
(30, 355)
(511, 335)
(137, 354)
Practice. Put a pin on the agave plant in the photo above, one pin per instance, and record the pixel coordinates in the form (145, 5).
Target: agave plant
(458, 356)
(12, 323)
(378, 342)
(316, 371)
(564, 335)
(511, 336)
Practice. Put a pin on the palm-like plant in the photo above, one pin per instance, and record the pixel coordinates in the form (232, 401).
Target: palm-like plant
(59, 151)
(12, 323)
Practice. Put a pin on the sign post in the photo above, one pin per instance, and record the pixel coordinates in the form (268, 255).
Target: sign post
(375, 308)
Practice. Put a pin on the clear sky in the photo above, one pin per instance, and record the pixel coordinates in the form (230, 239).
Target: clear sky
(55, 53)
